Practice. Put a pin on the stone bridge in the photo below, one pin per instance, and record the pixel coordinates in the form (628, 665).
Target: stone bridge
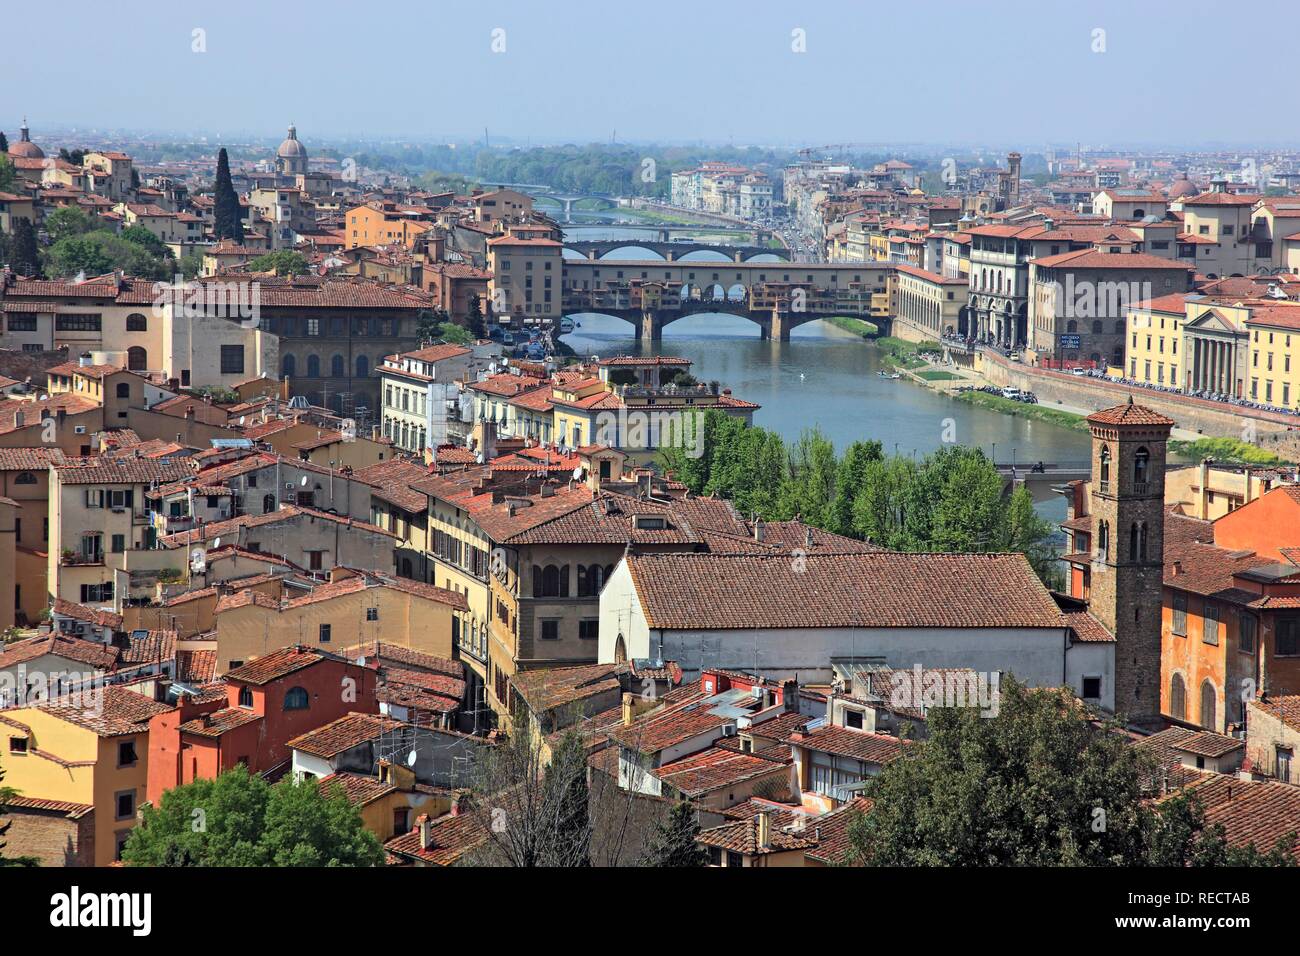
(595, 249)
(776, 296)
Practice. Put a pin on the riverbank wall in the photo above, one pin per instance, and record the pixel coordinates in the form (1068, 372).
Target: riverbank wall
(1272, 432)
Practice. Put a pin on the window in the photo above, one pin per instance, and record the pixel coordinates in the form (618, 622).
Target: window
(25, 478)
(136, 322)
(1092, 688)
(126, 756)
(1211, 623)
(1207, 706)
(232, 360)
(18, 745)
(1246, 633)
(314, 560)
(734, 859)
(119, 543)
(551, 581)
(589, 629)
(1179, 624)
(123, 389)
(402, 820)
(1177, 698)
(1105, 469)
(715, 856)
(245, 695)
(125, 804)
(550, 630)
(325, 633)
(137, 359)
(1283, 756)
(372, 614)
(295, 698)
(1141, 470)
(853, 719)
(1287, 641)
(77, 323)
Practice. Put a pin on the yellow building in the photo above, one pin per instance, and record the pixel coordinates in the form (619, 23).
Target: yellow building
(352, 608)
(1274, 372)
(1154, 347)
(384, 224)
(92, 752)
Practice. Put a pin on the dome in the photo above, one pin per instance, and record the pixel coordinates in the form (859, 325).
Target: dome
(25, 147)
(1182, 187)
(291, 148)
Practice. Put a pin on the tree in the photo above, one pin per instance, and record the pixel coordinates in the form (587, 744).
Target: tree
(240, 820)
(673, 842)
(227, 216)
(24, 256)
(565, 787)
(4, 143)
(283, 262)
(1037, 784)
(76, 157)
(140, 253)
(65, 222)
(454, 334)
(9, 180)
(7, 794)
(474, 318)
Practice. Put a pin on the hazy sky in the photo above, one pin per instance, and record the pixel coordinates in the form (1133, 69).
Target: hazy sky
(998, 72)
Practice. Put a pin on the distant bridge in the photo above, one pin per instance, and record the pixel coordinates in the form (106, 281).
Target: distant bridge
(596, 249)
(1041, 484)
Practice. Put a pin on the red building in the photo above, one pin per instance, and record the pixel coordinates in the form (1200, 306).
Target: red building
(267, 702)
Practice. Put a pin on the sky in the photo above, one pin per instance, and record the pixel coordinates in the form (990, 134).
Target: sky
(998, 73)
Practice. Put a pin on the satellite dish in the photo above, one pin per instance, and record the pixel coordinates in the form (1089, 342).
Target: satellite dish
(410, 759)
(216, 542)
(577, 473)
(304, 481)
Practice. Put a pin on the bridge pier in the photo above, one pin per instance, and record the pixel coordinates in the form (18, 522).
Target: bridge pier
(649, 329)
(780, 326)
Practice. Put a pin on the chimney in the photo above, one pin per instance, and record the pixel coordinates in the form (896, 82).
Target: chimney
(426, 830)
(1248, 492)
(629, 711)
(1177, 569)
(83, 359)
(758, 529)
(790, 695)
(1203, 499)
(764, 821)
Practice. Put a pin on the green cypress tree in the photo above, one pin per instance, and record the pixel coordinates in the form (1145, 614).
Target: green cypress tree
(24, 256)
(673, 842)
(4, 143)
(227, 222)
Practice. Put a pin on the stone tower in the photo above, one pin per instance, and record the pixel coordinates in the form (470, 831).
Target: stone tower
(1127, 508)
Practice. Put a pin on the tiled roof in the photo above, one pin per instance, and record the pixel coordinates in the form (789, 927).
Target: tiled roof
(1283, 707)
(710, 769)
(741, 836)
(1129, 414)
(90, 615)
(342, 734)
(91, 653)
(123, 712)
(196, 667)
(831, 831)
(215, 529)
(546, 688)
(845, 742)
(273, 666)
(452, 836)
(730, 591)
(1205, 743)
(1164, 749)
(392, 480)
(359, 789)
(220, 722)
(1087, 628)
(29, 459)
(1250, 812)
(150, 647)
(120, 471)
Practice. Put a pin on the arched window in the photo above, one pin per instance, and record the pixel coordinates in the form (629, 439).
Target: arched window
(25, 478)
(620, 650)
(551, 581)
(268, 504)
(136, 322)
(123, 389)
(295, 698)
(1096, 326)
(288, 365)
(137, 359)
(404, 568)
(363, 366)
(1119, 329)
(1141, 469)
(313, 366)
(1177, 698)
(1072, 326)
(1105, 467)
(1133, 542)
(1103, 539)
(338, 366)
(1142, 541)
(1117, 357)
(1208, 719)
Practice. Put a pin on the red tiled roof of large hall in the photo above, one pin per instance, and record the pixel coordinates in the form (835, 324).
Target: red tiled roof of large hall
(705, 590)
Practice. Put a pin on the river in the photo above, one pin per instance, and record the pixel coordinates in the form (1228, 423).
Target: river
(826, 377)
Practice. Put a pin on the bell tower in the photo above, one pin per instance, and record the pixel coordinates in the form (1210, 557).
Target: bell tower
(1127, 507)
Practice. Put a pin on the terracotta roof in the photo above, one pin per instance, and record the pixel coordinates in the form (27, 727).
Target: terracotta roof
(546, 688)
(846, 742)
(1208, 744)
(29, 459)
(215, 529)
(711, 769)
(1129, 414)
(91, 653)
(273, 666)
(73, 811)
(120, 471)
(885, 589)
(359, 789)
(343, 734)
(1283, 707)
(452, 836)
(196, 667)
(742, 837)
(123, 711)
(90, 615)
(219, 722)
(831, 830)
(1250, 812)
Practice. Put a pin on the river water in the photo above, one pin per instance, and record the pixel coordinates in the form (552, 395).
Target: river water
(827, 377)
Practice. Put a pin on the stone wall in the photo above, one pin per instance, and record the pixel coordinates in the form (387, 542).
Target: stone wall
(1210, 419)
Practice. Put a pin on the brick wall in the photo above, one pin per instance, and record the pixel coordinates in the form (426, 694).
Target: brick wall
(50, 836)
